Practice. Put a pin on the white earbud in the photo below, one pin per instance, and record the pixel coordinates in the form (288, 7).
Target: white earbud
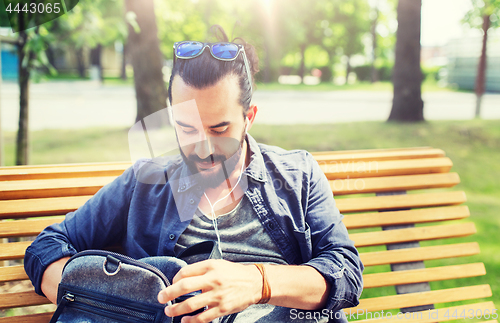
(246, 124)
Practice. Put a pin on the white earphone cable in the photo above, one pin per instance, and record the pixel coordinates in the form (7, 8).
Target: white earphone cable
(212, 207)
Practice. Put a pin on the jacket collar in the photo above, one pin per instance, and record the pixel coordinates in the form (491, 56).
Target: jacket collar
(256, 168)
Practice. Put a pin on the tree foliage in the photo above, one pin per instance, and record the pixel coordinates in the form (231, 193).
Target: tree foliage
(481, 8)
(485, 14)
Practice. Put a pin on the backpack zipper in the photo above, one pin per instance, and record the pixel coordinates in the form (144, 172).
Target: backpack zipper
(76, 300)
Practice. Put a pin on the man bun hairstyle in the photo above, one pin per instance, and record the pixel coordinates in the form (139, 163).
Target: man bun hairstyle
(205, 70)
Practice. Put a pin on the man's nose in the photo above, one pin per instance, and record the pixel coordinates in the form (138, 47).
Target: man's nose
(204, 148)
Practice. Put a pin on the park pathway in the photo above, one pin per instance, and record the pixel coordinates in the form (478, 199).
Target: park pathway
(82, 104)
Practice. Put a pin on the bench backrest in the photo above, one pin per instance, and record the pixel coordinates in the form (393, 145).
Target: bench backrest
(397, 209)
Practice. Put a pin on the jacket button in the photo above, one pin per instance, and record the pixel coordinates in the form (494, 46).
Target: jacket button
(271, 225)
(171, 236)
(191, 201)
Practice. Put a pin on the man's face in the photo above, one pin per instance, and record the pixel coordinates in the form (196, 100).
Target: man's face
(213, 130)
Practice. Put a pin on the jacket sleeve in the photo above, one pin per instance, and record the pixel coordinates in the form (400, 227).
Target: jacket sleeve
(100, 222)
(334, 254)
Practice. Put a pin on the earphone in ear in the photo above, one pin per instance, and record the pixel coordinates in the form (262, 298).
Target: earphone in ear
(246, 124)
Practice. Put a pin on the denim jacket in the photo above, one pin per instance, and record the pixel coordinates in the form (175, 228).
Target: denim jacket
(287, 189)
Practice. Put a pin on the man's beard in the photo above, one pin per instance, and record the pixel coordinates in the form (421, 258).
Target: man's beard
(223, 165)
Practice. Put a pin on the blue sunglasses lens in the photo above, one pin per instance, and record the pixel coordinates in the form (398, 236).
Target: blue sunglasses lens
(225, 51)
(189, 49)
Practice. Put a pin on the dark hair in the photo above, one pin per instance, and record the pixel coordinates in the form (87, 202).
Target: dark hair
(205, 70)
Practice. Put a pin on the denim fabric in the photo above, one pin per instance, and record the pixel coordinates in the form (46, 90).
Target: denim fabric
(287, 189)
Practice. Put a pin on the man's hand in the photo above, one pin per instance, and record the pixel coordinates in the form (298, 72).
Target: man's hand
(226, 288)
(51, 279)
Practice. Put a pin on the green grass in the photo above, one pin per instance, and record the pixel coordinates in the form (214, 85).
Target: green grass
(110, 80)
(427, 86)
(473, 146)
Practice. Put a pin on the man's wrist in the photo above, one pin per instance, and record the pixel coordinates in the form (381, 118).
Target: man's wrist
(266, 287)
(257, 284)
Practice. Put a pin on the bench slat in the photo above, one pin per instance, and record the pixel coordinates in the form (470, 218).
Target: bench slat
(116, 168)
(40, 188)
(21, 228)
(413, 234)
(378, 155)
(13, 190)
(29, 173)
(424, 298)
(24, 228)
(13, 250)
(31, 318)
(334, 170)
(436, 315)
(393, 183)
(419, 254)
(16, 251)
(374, 150)
(30, 298)
(12, 273)
(40, 207)
(64, 166)
(395, 202)
(423, 275)
(15, 273)
(375, 219)
(62, 205)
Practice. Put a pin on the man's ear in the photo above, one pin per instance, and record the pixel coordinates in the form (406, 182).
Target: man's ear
(252, 111)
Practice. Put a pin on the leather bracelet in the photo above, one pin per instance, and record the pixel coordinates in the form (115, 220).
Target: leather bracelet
(266, 288)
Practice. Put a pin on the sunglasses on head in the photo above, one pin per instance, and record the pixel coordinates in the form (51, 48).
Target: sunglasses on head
(222, 51)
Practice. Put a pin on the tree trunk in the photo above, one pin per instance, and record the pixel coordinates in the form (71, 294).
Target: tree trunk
(348, 69)
(407, 104)
(1, 133)
(80, 62)
(123, 73)
(147, 61)
(374, 76)
(95, 60)
(267, 68)
(302, 68)
(481, 72)
(22, 142)
(51, 57)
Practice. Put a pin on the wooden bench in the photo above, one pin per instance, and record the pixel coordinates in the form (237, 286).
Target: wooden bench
(370, 189)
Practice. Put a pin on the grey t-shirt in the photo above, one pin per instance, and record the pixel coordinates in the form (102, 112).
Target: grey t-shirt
(243, 238)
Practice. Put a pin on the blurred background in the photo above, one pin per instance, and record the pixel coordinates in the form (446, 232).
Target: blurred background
(106, 63)
(334, 75)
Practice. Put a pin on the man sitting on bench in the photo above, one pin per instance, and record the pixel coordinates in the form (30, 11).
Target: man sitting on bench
(264, 204)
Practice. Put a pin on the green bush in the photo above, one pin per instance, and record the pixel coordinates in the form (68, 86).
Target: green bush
(431, 73)
(364, 72)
